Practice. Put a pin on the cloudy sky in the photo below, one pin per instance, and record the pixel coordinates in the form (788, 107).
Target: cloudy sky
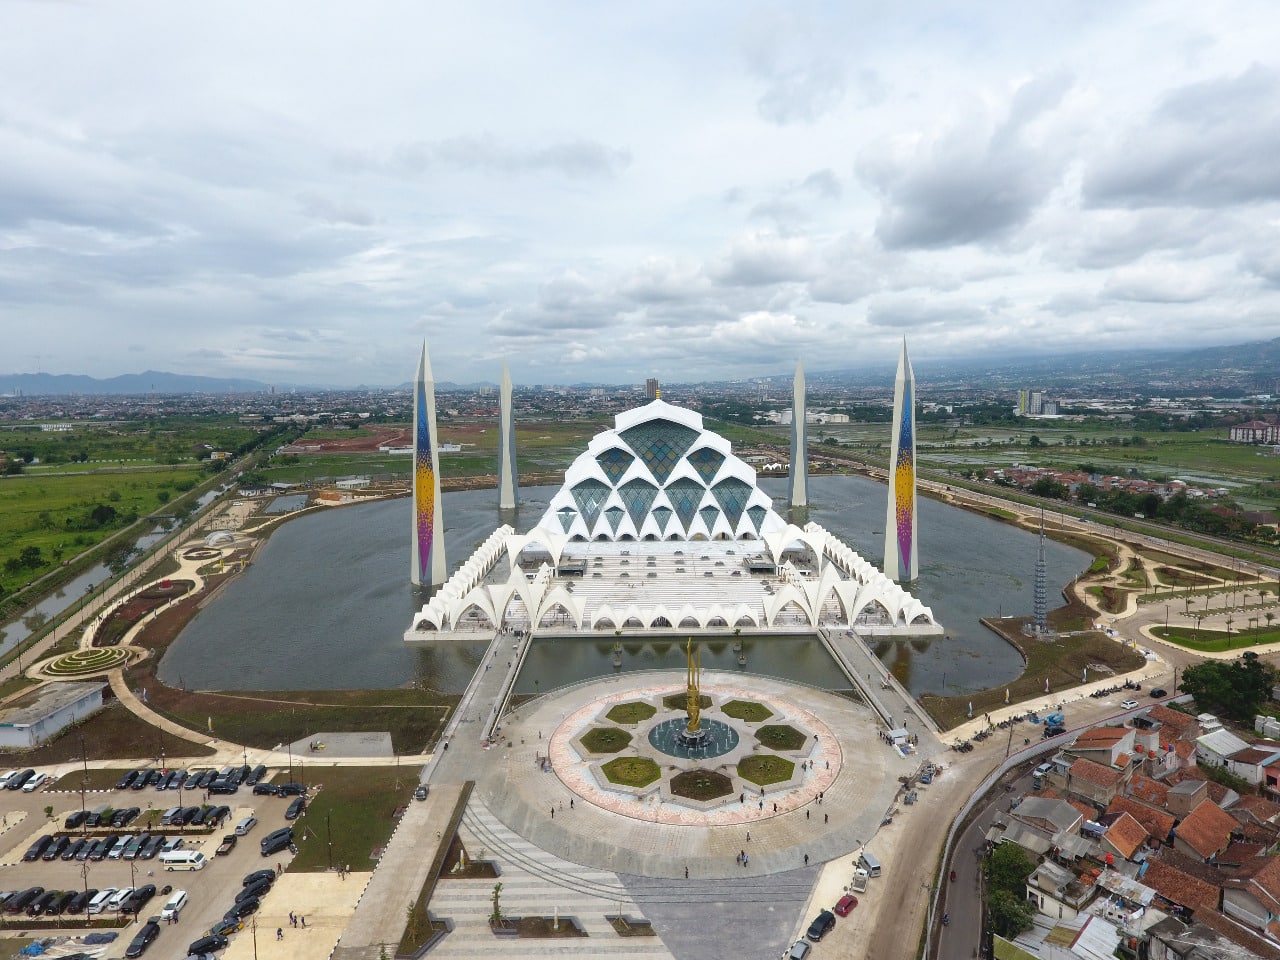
(300, 192)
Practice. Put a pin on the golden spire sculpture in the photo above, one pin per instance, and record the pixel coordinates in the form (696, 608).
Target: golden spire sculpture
(693, 703)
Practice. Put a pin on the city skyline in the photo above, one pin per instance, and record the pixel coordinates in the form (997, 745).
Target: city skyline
(599, 195)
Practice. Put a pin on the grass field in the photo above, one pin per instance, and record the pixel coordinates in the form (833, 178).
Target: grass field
(36, 511)
(355, 809)
(1216, 641)
(113, 733)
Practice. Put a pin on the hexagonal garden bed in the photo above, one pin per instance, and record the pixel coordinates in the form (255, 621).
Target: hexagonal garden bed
(631, 771)
(748, 711)
(781, 736)
(701, 785)
(633, 711)
(605, 740)
(763, 769)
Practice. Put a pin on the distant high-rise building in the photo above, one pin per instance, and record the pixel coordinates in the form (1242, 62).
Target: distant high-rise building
(508, 482)
(427, 549)
(798, 482)
(651, 388)
(901, 562)
(1035, 403)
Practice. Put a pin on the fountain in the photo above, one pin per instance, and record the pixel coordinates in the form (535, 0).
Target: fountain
(693, 737)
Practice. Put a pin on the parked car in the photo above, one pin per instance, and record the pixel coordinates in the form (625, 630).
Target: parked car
(259, 890)
(41, 903)
(217, 815)
(122, 818)
(265, 789)
(295, 808)
(126, 781)
(242, 908)
(227, 845)
(17, 781)
(102, 848)
(1159, 692)
(36, 849)
(1128, 704)
(292, 789)
(80, 902)
(151, 847)
(799, 950)
(821, 926)
(19, 901)
(207, 944)
(75, 820)
(73, 850)
(133, 846)
(226, 926)
(144, 938)
(138, 899)
(60, 903)
(421, 792)
(257, 875)
(223, 785)
(276, 841)
(34, 782)
(54, 850)
(256, 774)
(845, 904)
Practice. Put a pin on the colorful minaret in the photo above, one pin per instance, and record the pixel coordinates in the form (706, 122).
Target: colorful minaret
(798, 482)
(901, 562)
(426, 565)
(508, 480)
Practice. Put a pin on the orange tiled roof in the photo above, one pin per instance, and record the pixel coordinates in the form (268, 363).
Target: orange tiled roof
(1178, 886)
(1094, 773)
(1149, 791)
(1084, 809)
(1126, 835)
(1174, 718)
(1097, 738)
(1261, 808)
(1206, 829)
(1260, 878)
(1157, 823)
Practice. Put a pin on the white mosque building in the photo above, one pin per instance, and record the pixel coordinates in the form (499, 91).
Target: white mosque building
(660, 528)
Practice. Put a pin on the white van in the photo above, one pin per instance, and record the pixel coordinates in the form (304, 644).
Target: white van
(245, 825)
(870, 864)
(99, 901)
(117, 898)
(174, 906)
(183, 860)
(32, 785)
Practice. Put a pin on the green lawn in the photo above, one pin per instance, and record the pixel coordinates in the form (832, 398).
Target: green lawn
(354, 811)
(1216, 641)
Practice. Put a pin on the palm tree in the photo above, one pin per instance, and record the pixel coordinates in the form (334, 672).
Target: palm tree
(1269, 616)
(1198, 618)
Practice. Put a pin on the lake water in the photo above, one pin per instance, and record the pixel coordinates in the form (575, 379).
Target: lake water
(326, 604)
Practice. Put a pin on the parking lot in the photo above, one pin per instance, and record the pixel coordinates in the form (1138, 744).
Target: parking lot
(211, 890)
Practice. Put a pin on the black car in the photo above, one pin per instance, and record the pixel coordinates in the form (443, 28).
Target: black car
(74, 849)
(37, 848)
(122, 818)
(1052, 730)
(41, 903)
(206, 777)
(125, 782)
(217, 815)
(292, 789)
(276, 841)
(60, 903)
(152, 847)
(242, 908)
(256, 774)
(54, 850)
(242, 773)
(76, 820)
(17, 781)
(198, 818)
(1159, 692)
(257, 875)
(295, 808)
(19, 901)
(821, 926)
(259, 890)
(138, 899)
(208, 944)
(223, 785)
(103, 847)
(81, 900)
(265, 789)
(138, 946)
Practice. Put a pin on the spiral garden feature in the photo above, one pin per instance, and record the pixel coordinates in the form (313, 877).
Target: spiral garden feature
(79, 663)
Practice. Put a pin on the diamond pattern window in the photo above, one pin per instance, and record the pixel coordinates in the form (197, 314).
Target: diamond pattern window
(706, 463)
(757, 517)
(590, 496)
(663, 516)
(614, 515)
(638, 496)
(685, 495)
(567, 515)
(710, 515)
(732, 495)
(614, 462)
(660, 444)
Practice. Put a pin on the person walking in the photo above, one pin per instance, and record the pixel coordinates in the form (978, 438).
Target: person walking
(279, 933)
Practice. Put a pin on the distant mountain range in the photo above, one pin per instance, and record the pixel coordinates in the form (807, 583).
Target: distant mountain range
(1247, 366)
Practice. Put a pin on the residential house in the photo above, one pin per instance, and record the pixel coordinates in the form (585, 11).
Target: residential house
(1252, 896)
(1124, 837)
(1181, 891)
(1174, 723)
(1213, 749)
(1094, 782)
(1212, 938)
(1205, 832)
(1050, 817)
(1157, 823)
(1105, 745)
(1058, 892)
(1251, 762)
(1182, 798)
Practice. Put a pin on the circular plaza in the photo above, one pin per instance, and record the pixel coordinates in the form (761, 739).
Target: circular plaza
(797, 775)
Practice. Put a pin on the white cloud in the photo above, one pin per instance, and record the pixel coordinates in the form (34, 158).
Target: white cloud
(712, 191)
